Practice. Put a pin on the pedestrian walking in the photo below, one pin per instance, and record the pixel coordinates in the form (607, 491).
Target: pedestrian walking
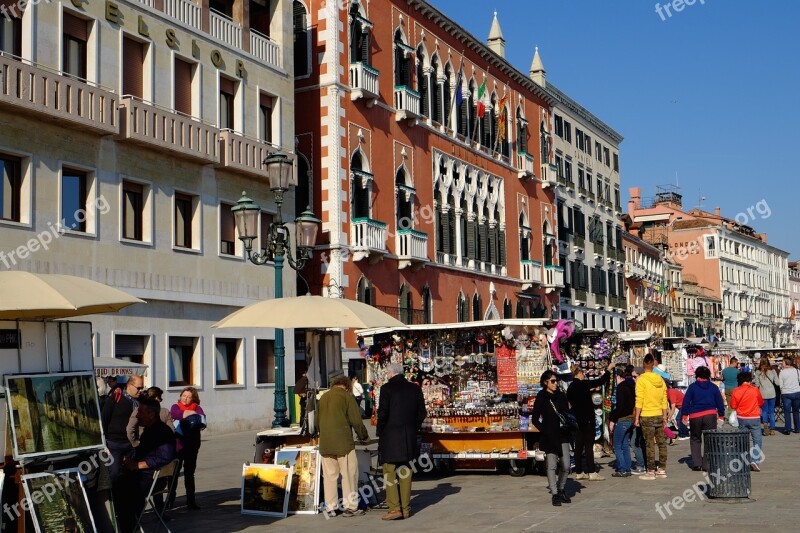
(766, 379)
(358, 392)
(650, 414)
(675, 400)
(702, 406)
(191, 419)
(789, 382)
(746, 400)
(729, 382)
(337, 418)
(621, 424)
(549, 417)
(579, 395)
(400, 416)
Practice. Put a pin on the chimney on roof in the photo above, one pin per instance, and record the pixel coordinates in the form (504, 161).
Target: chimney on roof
(636, 199)
(538, 74)
(717, 212)
(496, 42)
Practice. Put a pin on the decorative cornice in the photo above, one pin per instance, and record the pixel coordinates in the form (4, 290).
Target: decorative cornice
(556, 94)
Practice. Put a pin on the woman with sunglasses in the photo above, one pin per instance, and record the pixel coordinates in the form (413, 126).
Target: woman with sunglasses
(548, 409)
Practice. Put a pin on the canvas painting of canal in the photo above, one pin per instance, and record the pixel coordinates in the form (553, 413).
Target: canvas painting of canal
(265, 489)
(304, 496)
(53, 413)
(58, 502)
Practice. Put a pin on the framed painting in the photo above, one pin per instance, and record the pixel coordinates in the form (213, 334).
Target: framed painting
(266, 489)
(53, 413)
(58, 502)
(306, 462)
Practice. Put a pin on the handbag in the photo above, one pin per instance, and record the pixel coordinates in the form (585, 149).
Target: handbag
(566, 421)
(777, 388)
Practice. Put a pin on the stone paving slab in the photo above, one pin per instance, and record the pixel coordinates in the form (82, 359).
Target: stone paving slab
(494, 502)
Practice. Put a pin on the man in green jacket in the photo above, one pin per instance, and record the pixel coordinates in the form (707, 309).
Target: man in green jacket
(337, 417)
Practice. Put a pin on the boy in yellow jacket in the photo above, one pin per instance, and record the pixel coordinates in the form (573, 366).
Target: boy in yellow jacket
(651, 414)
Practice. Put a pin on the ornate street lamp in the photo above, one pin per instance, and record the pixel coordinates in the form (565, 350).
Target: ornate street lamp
(277, 246)
(773, 328)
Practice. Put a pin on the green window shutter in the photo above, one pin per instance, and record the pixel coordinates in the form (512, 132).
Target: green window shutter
(471, 239)
(502, 244)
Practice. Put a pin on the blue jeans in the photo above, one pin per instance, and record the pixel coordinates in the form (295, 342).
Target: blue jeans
(768, 413)
(622, 445)
(683, 431)
(636, 444)
(754, 427)
(791, 403)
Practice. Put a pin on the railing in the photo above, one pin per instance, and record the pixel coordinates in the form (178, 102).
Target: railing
(31, 88)
(632, 270)
(599, 248)
(242, 154)
(656, 308)
(368, 234)
(406, 316)
(265, 49)
(164, 130)
(226, 30)
(581, 295)
(525, 164)
(530, 271)
(553, 276)
(685, 311)
(406, 102)
(184, 11)
(364, 81)
(411, 245)
(582, 191)
(600, 299)
(549, 175)
(148, 3)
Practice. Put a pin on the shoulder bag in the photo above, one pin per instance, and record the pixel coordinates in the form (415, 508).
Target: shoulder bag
(566, 421)
(775, 386)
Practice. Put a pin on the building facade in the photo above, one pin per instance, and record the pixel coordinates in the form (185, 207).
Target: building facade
(129, 130)
(794, 303)
(737, 266)
(436, 166)
(646, 292)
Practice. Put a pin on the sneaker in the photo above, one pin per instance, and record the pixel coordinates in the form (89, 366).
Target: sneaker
(556, 500)
(638, 471)
(683, 438)
(621, 474)
(581, 476)
(595, 477)
(649, 476)
(772, 432)
(660, 473)
(755, 468)
(357, 512)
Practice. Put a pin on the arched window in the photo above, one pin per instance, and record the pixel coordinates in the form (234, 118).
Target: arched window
(439, 221)
(462, 222)
(406, 309)
(477, 307)
(507, 308)
(522, 133)
(405, 215)
(402, 63)
(302, 40)
(490, 124)
(422, 84)
(462, 116)
(463, 310)
(364, 292)
(476, 232)
(451, 226)
(545, 143)
(436, 100)
(359, 36)
(360, 188)
(548, 244)
(427, 306)
(473, 126)
(520, 309)
(447, 99)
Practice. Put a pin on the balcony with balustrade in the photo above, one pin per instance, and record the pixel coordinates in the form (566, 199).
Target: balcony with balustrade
(224, 29)
(411, 247)
(242, 154)
(634, 271)
(553, 277)
(364, 83)
(530, 273)
(656, 308)
(406, 104)
(265, 49)
(368, 239)
(27, 89)
(163, 130)
(525, 165)
(185, 11)
(549, 175)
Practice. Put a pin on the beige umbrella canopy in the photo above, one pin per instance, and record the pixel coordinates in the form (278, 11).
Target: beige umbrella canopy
(312, 312)
(27, 296)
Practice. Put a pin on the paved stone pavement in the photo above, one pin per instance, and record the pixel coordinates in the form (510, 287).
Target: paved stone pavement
(497, 502)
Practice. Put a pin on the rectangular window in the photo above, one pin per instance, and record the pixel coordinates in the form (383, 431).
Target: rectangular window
(559, 126)
(226, 353)
(74, 188)
(581, 179)
(559, 166)
(10, 189)
(579, 139)
(181, 355)
(130, 347)
(182, 86)
(227, 91)
(132, 67)
(227, 232)
(597, 152)
(568, 170)
(588, 145)
(132, 211)
(589, 181)
(265, 361)
(76, 35)
(183, 220)
(265, 109)
(606, 159)
(567, 131)
(616, 162)
(11, 32)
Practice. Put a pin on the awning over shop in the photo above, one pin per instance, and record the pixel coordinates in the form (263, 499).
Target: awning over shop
(111, 366)
(511, 322)
(634, 336)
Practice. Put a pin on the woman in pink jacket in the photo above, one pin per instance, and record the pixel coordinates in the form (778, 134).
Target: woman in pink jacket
(188, 441)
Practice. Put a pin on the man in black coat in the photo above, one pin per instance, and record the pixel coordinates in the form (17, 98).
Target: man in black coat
(401, 411)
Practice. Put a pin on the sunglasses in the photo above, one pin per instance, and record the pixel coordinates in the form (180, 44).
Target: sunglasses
(552, 380)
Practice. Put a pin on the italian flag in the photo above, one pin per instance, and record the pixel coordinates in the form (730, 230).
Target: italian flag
(481, 105)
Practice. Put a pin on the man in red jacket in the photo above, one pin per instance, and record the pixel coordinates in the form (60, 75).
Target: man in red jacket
(747, 401)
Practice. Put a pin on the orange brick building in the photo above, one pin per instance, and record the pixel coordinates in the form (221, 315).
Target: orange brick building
(429, 211)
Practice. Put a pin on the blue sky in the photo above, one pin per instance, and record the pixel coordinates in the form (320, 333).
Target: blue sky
(709, 94)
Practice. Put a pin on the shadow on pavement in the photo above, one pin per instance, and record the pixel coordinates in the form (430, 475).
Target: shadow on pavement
(420, 499)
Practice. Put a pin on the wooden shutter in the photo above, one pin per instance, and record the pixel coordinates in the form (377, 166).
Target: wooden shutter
(451, 231)
(183, 87)
(471, 239)
(76, 27)
(437, 99)
(501, 242)
(437, 215)
(423, 93)
(132, 67)
(364, 42)
(447, 103)
(446, 232)
(484, 241)
(463, 119)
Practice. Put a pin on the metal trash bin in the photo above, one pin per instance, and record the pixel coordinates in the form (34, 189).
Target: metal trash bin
(727, 454)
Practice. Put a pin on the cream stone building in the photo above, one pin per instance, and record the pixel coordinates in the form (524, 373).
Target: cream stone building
(128, 130)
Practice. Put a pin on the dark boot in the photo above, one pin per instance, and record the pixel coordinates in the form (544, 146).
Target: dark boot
(190, 501)
(556, 500)
(564, 498)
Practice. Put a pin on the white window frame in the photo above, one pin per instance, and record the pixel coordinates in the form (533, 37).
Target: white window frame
(197, 222)
(148, 212)
(241, 353)
(238, 246)
(147, 357)
(25, 188)
(148, 67)
(91, 200)
(196, 364)
(256, 383)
